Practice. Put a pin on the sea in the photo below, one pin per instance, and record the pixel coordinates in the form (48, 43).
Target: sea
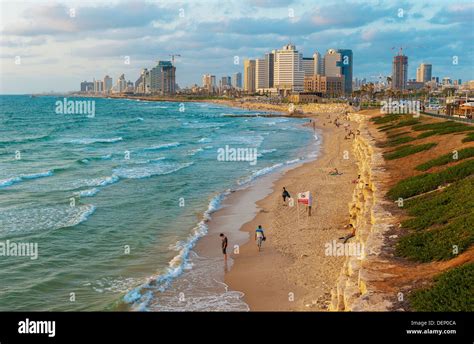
(115, 202)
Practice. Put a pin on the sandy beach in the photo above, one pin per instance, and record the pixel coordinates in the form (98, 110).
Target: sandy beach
(292, 272)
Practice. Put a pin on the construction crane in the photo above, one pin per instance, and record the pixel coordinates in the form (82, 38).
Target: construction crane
(400, 49)
(173, 56)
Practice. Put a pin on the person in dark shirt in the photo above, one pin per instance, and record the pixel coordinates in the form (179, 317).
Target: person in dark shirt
(285, 195)
(224, 245)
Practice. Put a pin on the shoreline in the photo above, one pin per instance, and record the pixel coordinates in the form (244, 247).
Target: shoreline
(292, 271)
(284, 271)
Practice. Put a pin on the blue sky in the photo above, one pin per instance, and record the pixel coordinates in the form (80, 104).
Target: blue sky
(58, 50)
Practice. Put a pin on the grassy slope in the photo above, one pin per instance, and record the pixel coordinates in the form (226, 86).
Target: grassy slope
(441, 224)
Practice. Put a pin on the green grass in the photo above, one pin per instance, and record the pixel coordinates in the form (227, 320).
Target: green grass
(417, 185)
(438, 126)
(452, 291)
(439, 221)
(445, 131)
(398, 134)
(385, 119)
(438, 243)
(399, 141)
(400, 124)
(446, 159)
(404, 151)
(468, 138)
(441, 207)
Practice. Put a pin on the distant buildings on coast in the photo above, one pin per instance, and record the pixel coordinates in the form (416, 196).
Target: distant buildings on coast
(285, 71)
(281, 73)
(160, 80)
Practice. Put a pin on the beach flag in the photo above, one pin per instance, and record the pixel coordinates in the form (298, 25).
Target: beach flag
(305, 198)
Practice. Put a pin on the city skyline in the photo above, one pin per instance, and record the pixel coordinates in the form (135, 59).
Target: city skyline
(88, 42)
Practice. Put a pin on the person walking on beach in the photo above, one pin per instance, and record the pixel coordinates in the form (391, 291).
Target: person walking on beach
(285, 195)
(259, 237)
(224, 246)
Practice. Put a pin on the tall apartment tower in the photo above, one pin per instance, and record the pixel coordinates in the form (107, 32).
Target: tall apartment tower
(270, 60)
(237, 80)
(339, 63)
(261, 74)
(249, 76)
(107, 84)
(331, 63)
(318, 64)
(163, 78)
(399, 72)
(209, 82)
(423, 72)
(346, 69)
(288, 72)
(308, 66)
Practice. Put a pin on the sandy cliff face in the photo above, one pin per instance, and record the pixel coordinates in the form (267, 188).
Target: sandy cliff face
(355, 290)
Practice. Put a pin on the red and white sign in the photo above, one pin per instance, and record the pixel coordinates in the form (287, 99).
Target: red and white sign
(305, 198)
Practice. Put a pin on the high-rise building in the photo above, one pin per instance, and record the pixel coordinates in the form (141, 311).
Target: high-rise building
(332, 61)
(107, 84)
(98, 86)
(142, 85)
(261, 74)
(121, 84)
(399, 72)
(346, 69)
(225, 83)
(209, 82)
(249, 76)
(163, 78)
(87, 86)
(318, 63)
(288, 72)
(339, 63)
(423, 73)
(270, 63)
(308, 66)
(237, 80)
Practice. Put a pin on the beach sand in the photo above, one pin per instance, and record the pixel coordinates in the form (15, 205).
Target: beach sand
(292, 272)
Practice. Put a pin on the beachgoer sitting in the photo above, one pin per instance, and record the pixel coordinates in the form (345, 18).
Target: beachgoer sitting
(350, 235)
(355, 181)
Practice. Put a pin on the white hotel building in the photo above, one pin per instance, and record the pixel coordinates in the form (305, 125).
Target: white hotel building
(288, 69)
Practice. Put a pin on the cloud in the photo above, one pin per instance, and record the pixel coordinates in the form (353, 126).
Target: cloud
(344, 15)
(269, 3)
(58, 19)
(21, 42)
(213, 32)
(459, 13)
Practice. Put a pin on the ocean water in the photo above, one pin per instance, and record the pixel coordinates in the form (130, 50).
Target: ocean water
(116, 203)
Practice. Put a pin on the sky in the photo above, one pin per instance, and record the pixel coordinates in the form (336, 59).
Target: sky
(54, 45)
